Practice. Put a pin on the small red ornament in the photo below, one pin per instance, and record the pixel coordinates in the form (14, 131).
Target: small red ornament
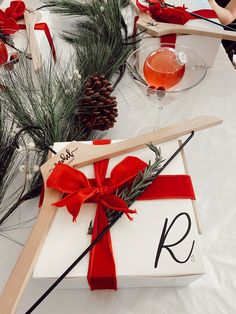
(3, 53)
(14, 58)
(163, 68)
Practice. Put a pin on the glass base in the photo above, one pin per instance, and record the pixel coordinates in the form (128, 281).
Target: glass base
(147, 130)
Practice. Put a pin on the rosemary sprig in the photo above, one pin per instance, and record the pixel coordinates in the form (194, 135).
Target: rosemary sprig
(130, 193)
(143, 179)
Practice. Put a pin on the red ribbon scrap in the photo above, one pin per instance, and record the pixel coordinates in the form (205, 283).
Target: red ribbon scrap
(78, 189)
(9, 25)
(176, 15)
(8, 17)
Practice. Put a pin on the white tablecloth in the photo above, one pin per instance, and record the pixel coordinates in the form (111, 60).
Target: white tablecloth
(211, 158)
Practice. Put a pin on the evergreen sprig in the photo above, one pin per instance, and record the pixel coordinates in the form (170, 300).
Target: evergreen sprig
(8, 156)
(145, 178)
(130, 193)
(9, 166)
(100, 38)
(47, 100)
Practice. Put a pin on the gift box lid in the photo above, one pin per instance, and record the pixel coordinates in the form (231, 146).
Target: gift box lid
(135, 243)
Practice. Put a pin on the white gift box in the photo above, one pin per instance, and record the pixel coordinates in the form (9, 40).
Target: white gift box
(207, 47)
(21, 43)
(135, 243)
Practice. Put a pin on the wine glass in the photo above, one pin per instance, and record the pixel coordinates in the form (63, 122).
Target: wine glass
(165, 70)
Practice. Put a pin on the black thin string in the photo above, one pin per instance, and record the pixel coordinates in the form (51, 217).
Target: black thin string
(99, 237)
(3, 38)
(46, 6)
(205, 19)
(33, 127)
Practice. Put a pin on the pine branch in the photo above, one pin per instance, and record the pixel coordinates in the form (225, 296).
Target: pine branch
(8, 156)
(101, 40)
(47, 101)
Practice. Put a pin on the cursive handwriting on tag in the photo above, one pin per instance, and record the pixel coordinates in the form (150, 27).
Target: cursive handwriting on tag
(66, 157)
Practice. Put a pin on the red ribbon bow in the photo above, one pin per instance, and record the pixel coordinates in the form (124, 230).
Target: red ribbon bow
(79, 189)
(176, 15)
(8, 18)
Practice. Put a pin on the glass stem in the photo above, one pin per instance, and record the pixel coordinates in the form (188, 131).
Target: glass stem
(158, 118)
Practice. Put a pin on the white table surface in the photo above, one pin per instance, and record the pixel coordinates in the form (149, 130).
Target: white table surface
(212, 162)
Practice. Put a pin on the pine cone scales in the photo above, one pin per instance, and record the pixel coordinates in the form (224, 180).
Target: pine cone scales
(98, 109)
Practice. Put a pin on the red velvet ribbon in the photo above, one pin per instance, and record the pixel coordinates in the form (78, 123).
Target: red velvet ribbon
(8, 17)
(177, 15)
(77, 189)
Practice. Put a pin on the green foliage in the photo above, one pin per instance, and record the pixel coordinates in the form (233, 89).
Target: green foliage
(145, 178)
(130, 193)
(47, 99)
(101, 40)
(8, 156)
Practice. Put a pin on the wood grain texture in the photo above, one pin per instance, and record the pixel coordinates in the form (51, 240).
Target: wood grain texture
(193, 201)
(85, 154)
(77, 155)
(31, 18)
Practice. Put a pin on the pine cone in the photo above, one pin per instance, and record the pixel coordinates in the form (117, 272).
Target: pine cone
(98, 109)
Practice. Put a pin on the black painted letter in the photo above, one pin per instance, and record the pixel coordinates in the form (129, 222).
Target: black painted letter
(164, 234)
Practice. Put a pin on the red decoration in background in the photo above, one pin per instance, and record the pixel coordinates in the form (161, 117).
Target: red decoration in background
(16, 10)
(9, 26)
(8, 17)
(3, 53)
(176, 15)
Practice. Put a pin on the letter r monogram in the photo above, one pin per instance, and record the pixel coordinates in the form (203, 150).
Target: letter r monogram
(168, 247)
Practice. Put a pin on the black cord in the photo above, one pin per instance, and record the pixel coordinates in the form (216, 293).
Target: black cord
(99, 237)
(3, 38)
(33, 127)
(46, 6)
